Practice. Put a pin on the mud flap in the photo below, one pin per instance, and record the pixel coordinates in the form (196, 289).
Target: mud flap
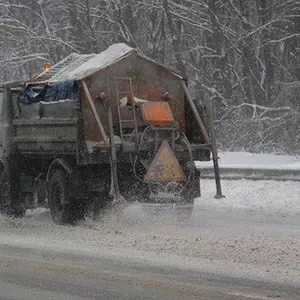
(192, 190)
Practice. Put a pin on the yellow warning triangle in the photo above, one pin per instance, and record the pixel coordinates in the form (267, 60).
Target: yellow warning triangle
(165, 166)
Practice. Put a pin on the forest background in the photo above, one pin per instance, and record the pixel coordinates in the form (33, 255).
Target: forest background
(241, 54)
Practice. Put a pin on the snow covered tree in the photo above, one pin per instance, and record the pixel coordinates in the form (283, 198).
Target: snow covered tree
(242, 55)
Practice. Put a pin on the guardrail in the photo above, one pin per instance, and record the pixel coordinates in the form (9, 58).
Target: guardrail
(231, 173)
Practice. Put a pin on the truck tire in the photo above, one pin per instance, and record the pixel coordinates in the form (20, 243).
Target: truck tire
(9, 197)
(62, 208)
(97, 206)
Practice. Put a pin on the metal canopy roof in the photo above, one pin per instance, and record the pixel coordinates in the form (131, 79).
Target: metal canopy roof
(78, 66)
(61, 68)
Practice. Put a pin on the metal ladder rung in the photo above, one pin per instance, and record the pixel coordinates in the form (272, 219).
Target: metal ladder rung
(118, 94)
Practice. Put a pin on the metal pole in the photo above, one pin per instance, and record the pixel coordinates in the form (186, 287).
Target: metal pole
(113, 155)
(114, 169)
(214, 150)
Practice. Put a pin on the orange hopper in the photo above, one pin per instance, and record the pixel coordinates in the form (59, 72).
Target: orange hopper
(157, 113)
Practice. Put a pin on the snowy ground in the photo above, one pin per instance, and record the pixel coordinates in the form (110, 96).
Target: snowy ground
(245, 160)
(264, 197)
(252, 233)
(237, 165)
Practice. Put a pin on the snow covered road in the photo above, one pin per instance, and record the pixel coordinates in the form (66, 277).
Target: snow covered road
(245, 245)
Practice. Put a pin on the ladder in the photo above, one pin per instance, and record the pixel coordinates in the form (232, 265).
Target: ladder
(120, 93)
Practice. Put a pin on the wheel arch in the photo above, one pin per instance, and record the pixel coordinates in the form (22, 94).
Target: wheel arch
(60, 163)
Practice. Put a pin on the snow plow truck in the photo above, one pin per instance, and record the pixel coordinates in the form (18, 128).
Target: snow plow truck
(97, 131)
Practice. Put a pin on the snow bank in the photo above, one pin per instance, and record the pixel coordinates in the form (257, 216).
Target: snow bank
(238, 245)
(245, 160)
(269, 197)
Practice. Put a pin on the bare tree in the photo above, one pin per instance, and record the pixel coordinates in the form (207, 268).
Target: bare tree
(243, 55)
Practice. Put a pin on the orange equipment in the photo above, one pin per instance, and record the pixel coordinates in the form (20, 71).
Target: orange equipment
(157, 113)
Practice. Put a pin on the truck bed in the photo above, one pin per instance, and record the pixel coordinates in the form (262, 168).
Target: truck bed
(46, 127)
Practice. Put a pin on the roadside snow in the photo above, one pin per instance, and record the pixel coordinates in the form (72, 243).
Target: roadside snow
(270, 197)
(245, 160)
(253, 232)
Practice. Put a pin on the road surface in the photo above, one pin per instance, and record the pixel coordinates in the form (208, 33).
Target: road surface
(224, 253)
(31, 274)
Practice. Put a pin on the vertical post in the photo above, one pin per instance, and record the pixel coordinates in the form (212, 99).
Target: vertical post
(115, 190)
(195, 113)
(94, 110)
(118, 107)
(214, 150)
(113, 156)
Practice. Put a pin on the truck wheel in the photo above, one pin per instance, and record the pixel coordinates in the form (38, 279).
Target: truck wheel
(97, 206)
(9, 202)
(60, 202)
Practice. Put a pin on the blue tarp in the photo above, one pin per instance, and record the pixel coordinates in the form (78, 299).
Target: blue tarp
(50, 92)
